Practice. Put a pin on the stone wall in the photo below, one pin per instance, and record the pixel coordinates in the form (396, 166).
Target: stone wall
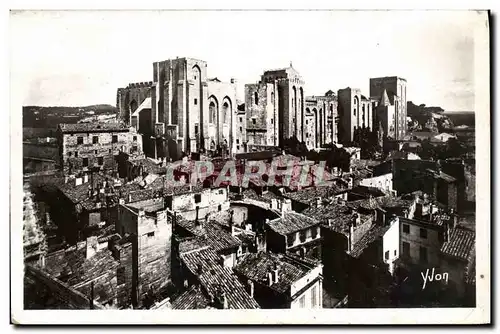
(130, 98)
(154, 253)
(73, 154)
(126, 275)
(362, 226)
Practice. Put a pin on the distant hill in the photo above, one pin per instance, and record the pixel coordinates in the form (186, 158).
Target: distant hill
(462, 117)
(50, 117)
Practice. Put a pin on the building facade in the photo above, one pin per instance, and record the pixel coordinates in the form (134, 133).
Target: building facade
(181, 110)
(395, 88)
(148, 224)
(325, 119)
(355, 112)
(275, 108)
(88, 145)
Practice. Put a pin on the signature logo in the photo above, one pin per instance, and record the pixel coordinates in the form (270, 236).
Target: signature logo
(433, 276)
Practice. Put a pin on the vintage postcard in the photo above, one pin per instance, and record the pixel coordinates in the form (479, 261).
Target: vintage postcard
(250, 167)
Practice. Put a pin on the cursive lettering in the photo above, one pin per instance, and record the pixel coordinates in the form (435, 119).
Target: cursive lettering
(433, 276)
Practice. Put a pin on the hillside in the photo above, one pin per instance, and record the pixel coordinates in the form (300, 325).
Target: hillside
(50, 117)
(434, 119)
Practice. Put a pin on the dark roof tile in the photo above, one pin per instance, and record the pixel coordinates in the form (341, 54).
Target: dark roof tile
(291, 222)
(460, 244)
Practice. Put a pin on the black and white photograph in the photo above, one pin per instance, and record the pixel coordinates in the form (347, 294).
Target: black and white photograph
(250, 166)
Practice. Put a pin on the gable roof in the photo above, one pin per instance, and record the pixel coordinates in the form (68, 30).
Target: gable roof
(217, 279)
(291, 222)
(460, 244)
(256, 266)
(191, 299)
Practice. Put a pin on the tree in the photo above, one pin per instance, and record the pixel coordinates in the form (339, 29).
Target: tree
(294, 147)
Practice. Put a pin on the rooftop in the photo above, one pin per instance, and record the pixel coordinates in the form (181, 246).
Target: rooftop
(192, 299)
(460, 244)
(93, 127)
(371, 236)
(291, 222)
(216, 279)
(256, 266)
(72, 267)
(211, 234)
(309, 194)
(435, 220)
(337, 217)
(148, 205)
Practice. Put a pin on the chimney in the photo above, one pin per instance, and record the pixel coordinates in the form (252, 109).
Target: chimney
(199, 268)
(276, 273)
(129, 198)
(197, 213)
(78, 181)
(270, 278)
(319, 202)
(91, 247)
(222, 260)
(223, 297)
(250, 288)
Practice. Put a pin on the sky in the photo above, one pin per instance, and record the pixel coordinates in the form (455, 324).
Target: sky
(77, 58)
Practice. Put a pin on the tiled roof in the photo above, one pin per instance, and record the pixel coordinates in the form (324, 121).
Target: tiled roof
(267, 196)
(256, 266)
(148, 205)
(190, 244)
(306, 195)
(93, 127)
(246, 237)
(73, 268)
(337, 217)
(216, 279)
(460, 243)
(192, 299)
(367, 191)
(291, 222)
(211, 233)
(383, 202)
(371, 236)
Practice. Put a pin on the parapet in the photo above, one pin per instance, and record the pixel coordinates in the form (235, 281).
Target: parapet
(146, 84)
